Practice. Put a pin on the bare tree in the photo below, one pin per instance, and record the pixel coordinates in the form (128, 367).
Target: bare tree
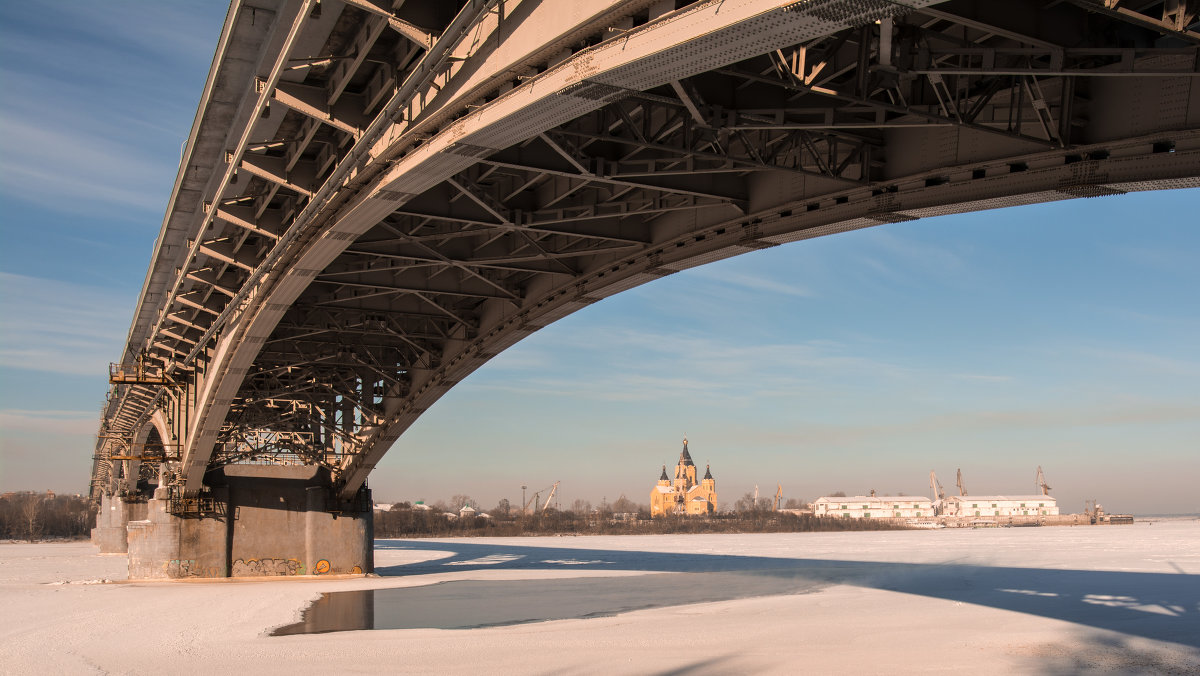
(502, 508)
(30, 513)
(581, 507)
(745, 504)
(624, 505)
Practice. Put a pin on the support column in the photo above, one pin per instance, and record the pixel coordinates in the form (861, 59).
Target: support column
(337, 541)
(115, 512)
(260, 521)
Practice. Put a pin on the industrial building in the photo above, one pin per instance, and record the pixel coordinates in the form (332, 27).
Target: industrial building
(874, 507)
(999, 505)
(962, 510)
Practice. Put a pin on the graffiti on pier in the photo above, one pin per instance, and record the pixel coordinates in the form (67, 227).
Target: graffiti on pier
(262, 567)
(321, 568)
(176, 568)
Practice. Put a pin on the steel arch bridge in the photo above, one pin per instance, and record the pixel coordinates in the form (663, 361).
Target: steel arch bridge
(378, 196)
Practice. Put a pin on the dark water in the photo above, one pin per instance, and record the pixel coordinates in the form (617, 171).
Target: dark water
(470, 604)
(1119, 601)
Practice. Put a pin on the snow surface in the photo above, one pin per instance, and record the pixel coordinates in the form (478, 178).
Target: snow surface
(1113, 599)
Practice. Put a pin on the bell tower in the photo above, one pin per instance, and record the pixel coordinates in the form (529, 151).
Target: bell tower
(685, 471)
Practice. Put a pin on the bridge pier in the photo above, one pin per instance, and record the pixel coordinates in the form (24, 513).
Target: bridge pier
(255, 521)
(112, 519)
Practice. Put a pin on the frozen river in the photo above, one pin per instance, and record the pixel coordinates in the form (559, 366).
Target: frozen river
(1033, 600)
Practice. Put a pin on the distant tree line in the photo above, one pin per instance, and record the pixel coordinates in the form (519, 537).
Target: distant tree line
(622, 517)
(34, 516)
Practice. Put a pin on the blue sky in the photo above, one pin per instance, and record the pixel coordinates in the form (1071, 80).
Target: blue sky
(1064, 335)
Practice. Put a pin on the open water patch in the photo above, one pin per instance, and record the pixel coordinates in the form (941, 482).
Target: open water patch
(471, 604)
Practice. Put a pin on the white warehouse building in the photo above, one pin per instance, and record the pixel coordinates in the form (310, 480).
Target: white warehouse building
(874, 507)
(1000, 505)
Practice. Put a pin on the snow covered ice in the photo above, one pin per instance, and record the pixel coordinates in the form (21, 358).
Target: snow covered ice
(1122, 599)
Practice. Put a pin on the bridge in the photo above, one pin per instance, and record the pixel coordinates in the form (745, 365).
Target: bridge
(378, 196)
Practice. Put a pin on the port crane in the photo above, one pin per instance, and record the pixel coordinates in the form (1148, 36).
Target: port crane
(537, 496)
(939, 494)
(962, 489)
(778, 495)
(551, 496)
(935, 486)
(1042, 486)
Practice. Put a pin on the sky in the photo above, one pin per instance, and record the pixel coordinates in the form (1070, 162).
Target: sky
(1065, 335)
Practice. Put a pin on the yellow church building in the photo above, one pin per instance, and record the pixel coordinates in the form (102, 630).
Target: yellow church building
(683, 494)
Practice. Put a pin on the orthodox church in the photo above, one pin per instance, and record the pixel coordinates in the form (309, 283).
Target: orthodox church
(683, 494)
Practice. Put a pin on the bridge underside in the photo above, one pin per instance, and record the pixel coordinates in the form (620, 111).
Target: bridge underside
(379, 197)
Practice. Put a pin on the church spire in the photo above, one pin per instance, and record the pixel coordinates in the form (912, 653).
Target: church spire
(685, 458)
(707, 472)
(664, 475)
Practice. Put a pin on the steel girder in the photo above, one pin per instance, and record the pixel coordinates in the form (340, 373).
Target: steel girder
(383, 213)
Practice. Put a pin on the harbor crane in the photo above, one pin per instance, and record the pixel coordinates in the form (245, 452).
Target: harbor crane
(962, 489)
(935, 486)
(1042, 486)
(551, 496)
(537, 497)
(778, 495)
(939, 494)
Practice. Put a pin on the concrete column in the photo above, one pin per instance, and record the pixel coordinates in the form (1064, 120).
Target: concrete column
(109, 534)
(315, 504)
(101, 519)
(269, 521)
(154, 544)
(337, 542)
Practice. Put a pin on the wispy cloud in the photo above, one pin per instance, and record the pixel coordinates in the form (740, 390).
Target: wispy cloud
(67, 170)
(59, 327)
(914, 252)
(105, 35)
(752, 282)
(903, 258)
(632, 365)
(90, 126)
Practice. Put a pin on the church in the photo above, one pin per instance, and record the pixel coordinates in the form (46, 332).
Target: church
(683, 494)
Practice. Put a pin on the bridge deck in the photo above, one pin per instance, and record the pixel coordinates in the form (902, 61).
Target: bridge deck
(375, 201)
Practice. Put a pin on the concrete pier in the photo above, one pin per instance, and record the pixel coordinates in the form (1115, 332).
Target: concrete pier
(112, 519)
(258, 521)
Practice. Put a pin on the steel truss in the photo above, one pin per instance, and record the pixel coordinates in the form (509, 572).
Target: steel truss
(642, 168)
